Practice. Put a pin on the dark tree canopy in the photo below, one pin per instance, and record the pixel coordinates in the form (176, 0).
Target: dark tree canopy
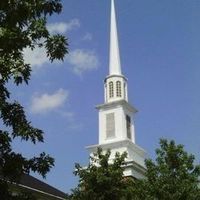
(22, 25)
(173, 175)
(102, 180)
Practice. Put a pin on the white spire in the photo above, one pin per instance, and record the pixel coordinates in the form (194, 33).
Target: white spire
(114, 65)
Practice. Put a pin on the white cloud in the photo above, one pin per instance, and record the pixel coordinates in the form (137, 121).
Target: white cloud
(87, 37)
(72, 122)
(48, 102)
(36, 57)
(62, 27)
(82, 60)
(70, 116)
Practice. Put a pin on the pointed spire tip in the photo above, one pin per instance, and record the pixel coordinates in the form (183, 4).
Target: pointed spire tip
(115, 64)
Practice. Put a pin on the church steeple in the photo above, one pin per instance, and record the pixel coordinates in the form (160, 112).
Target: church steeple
(116, 115)
(114, 65)
(115, 82)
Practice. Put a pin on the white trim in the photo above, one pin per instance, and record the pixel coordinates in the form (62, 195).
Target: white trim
(111, 145)
(30, 188)
(109, 105)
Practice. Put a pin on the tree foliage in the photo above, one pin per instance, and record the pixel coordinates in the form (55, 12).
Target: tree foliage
(173, 175)
(22, 25)
(102, 180)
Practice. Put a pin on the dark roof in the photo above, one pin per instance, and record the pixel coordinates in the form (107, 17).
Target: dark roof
(34, 184)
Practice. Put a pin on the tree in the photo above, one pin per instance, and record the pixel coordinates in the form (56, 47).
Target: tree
(102, 180)
(173, 176)
(22, 25)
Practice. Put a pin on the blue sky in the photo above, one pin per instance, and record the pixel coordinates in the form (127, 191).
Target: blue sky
(160, 56)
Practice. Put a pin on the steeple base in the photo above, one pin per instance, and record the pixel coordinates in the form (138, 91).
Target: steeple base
(134, 166)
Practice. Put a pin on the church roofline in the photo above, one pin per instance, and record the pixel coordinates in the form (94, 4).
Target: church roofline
(37, 186)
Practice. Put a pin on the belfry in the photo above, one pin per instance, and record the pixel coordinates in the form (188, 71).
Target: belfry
(116, 115)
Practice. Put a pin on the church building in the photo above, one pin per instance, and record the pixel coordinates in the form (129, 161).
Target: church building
(116, 114)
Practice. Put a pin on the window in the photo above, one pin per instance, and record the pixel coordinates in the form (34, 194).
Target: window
(111, 89)
(110, 125)
(128, 126)
(119, 89)
(124, 90)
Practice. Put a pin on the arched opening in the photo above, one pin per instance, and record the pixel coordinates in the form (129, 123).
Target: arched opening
(119, 89)
(111, 89)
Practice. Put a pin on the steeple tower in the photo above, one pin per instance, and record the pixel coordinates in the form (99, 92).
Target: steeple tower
(116, 124)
